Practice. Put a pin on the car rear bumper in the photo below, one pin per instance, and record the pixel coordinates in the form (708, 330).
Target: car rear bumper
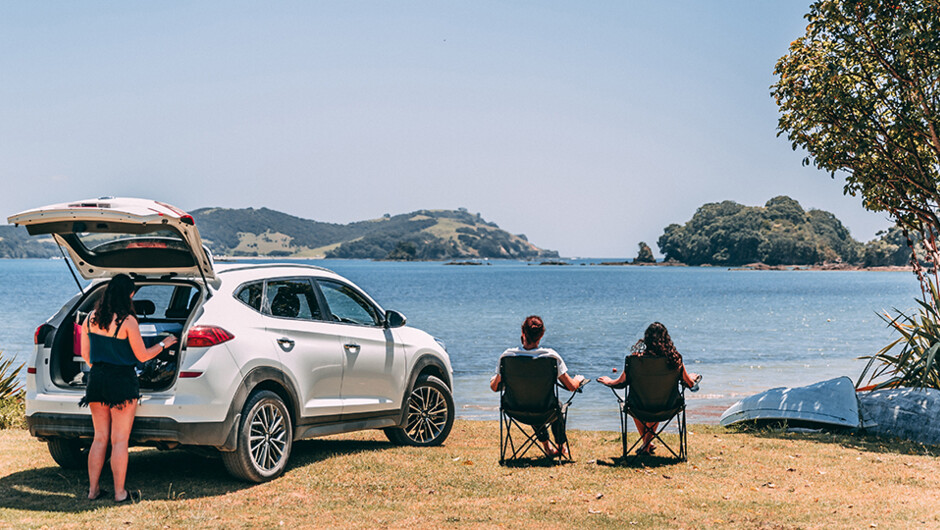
(146, 430)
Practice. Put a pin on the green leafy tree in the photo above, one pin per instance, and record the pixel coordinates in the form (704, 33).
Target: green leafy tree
(859, 93)
(645, 254)
(403, 251)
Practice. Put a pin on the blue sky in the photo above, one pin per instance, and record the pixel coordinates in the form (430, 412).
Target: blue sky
(588, 126)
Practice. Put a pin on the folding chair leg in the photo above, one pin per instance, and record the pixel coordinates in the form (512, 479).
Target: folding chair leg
(684, 439)
(502, 441)
(623, 431)
(508, 446)
(682, 454)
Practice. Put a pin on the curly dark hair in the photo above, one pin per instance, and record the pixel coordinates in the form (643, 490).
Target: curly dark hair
(115, 304)
(657, 343)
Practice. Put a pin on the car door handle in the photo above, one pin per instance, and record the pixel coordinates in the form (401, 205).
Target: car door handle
(285, 344)
(351, 348)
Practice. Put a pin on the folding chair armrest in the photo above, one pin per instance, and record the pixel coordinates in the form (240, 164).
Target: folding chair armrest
(575, 391)
(616, 395)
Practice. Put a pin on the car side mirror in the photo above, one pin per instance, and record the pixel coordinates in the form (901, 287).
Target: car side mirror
(394, 319)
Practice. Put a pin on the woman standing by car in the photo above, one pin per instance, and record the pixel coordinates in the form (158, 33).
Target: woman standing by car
(112, 345)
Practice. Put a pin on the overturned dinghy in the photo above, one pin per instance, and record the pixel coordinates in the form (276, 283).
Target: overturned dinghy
(827, 403)
(909, 413)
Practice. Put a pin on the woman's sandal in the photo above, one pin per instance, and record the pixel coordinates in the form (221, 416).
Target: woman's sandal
(101, 494)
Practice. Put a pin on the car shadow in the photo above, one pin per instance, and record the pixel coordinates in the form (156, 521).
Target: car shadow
(306, 452)
(157, 475)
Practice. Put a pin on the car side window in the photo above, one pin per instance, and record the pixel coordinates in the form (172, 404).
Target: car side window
(153, 299)
(250, 295)
(291, 299)
(347, 305)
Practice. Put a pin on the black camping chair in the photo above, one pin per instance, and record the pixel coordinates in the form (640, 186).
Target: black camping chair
(529, 397)
(654, 393)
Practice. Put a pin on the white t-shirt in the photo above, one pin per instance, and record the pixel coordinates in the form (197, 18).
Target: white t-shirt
(538, 352)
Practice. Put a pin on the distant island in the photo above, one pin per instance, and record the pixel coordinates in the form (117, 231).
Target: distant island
(779, 233)
(250, 232)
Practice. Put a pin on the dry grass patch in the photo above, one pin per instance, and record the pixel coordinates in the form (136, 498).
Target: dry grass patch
(766, 479)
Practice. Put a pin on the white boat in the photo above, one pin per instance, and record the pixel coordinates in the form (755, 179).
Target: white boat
(827, 403)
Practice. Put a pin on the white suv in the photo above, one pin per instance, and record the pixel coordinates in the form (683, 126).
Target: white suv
(269, 353)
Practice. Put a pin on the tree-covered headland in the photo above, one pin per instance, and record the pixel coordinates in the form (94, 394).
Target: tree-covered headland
(779, 233)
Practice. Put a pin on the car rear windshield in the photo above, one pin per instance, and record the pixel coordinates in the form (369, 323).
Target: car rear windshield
(110, 242)
(162, 248)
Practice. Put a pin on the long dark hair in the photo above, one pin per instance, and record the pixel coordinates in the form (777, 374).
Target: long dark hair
(115, 303)
(657, 343)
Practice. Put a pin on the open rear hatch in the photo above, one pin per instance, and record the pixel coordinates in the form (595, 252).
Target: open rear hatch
(153, 242)
(108, 236)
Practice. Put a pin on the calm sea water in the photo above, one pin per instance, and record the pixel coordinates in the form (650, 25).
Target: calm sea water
(745, 331)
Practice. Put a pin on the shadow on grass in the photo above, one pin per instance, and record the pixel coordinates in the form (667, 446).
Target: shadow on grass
(640, 461)
(158, 475)
(860, 441)
(542, 461)
(306, 452)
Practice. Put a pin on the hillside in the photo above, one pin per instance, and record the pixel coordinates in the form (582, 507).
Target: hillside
(778, 233)
(423, 235)
(15, 242)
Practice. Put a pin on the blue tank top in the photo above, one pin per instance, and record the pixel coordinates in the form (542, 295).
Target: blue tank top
(110, 350)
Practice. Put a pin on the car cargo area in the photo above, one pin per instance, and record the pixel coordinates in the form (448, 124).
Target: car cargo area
(163, 308)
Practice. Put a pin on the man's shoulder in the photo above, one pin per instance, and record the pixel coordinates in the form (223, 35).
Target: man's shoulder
(548, 352)
(537, 352)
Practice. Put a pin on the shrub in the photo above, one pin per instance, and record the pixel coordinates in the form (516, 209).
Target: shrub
(917, 364)
(13, 412)
(9, 385)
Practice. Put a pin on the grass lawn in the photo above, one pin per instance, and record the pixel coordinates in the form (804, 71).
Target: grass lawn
(765, 479)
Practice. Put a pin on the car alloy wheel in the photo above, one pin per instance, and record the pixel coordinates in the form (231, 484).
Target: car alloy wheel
(267, 438)
(429, 414)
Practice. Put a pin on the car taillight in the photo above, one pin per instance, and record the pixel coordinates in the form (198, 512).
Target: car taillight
(205, 336)
(31, 370)
(41, 332)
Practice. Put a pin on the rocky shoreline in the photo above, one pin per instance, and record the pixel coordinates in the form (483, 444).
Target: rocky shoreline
(817, 267)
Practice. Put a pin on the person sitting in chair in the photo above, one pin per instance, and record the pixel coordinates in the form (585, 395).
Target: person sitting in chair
(655, 343)
(532, 331)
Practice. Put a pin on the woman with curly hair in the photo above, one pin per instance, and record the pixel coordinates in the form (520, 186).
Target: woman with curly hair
(655, 343)
(112, 345)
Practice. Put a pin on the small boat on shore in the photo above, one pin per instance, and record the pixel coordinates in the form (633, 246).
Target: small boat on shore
(831, 403)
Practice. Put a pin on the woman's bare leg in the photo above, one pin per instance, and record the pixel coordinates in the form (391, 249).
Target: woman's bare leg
(101, 419)
(646, 431)
(122, 419)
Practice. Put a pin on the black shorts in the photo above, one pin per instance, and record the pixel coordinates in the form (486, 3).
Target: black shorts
(111, 385)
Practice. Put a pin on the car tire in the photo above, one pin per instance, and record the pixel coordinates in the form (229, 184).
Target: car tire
(265, 435)
(69, 453)
(429, 414)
